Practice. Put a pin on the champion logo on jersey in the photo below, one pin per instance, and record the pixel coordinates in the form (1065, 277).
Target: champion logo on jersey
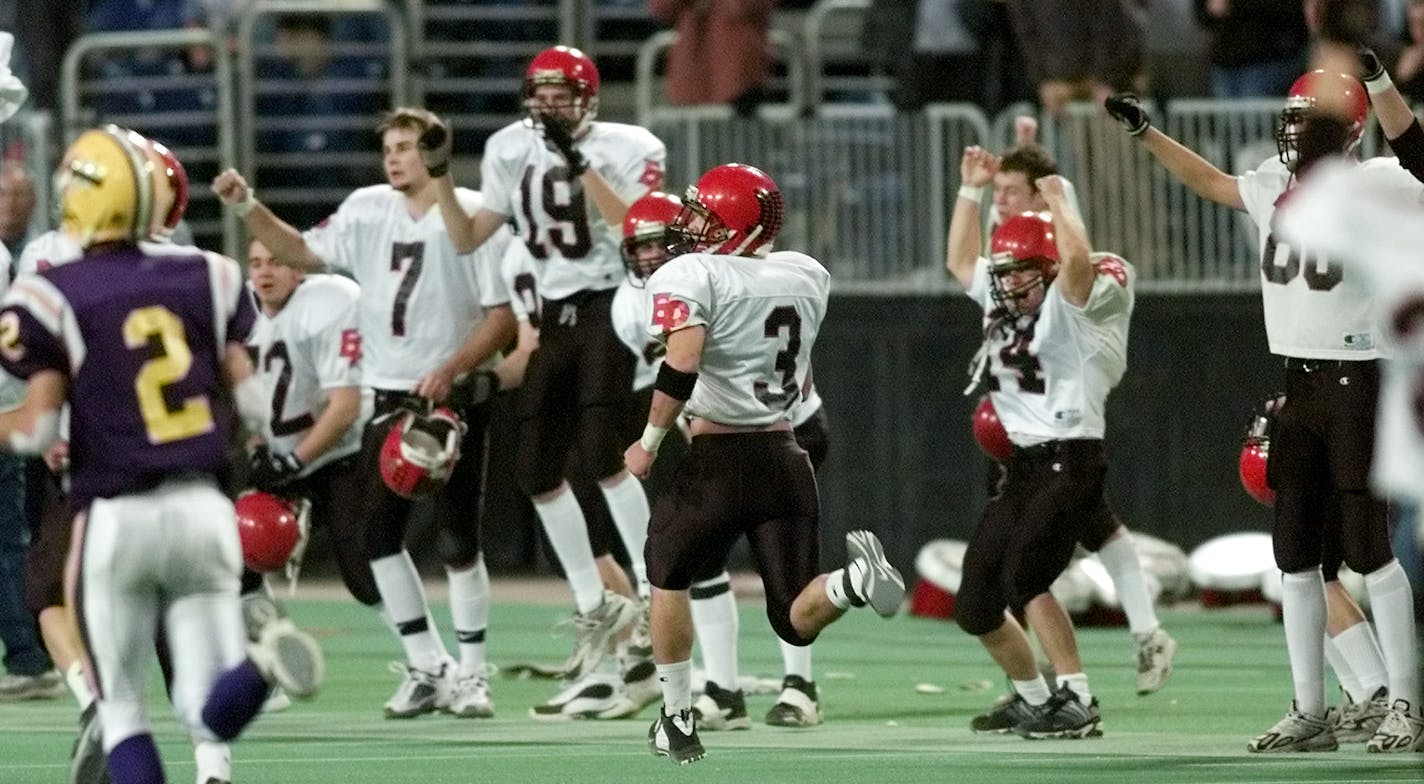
(1359, 340)
(1067, 418)
(669, 312)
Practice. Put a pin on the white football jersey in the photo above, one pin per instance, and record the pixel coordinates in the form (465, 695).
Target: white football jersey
(12, 390)
(309, 347)
(420, 299)
(1314, 309)
(630, 319)
(1051, 378)
(1377, 231)
(50, 249)
(762, 316)
(559, 224)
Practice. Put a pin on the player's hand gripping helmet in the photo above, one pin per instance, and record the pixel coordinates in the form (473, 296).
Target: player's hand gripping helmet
(420, 451)
(270, 529)
(105, 187)
(989, 432)
(1344, 94)
(567, 67)
(1023, 255)
(169, 208)
(734, 209)
(1255, 453)
(645, 232)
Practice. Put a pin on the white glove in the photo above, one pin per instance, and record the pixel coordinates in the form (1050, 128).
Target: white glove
(12, 91)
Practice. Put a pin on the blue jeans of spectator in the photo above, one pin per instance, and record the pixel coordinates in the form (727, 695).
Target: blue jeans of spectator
(1405, 543)
(1271, 79)
(23, 653)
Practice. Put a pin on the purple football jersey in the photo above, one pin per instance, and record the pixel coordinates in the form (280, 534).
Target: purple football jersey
(141, 338)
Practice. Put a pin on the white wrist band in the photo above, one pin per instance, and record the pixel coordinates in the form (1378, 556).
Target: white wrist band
(974, 193)
(245, 206)
(652, 437)
(1379, 84)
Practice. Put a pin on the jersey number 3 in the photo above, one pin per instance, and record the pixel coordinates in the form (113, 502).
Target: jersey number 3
(782, 397)
(194, 417)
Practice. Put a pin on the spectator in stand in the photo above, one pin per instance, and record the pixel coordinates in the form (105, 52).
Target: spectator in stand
(1255, 47)
(1079, 50)
(930, 48)
(1409, 68)
(722, 54)
(17, 204)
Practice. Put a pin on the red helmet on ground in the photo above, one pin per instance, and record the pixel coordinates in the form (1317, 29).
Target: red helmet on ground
(989, 432)
(1341, 90)
(646, 223)
(1022, 242)
(270, 529)
(420, 451)
(1255, 453)
(568, 67)
(740, 211)
(177, 180)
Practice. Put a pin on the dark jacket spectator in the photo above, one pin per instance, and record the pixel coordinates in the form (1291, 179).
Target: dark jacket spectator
(1078, 49)
(1256, 47)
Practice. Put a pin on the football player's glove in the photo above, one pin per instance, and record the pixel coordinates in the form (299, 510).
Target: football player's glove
(435, 144)
(1127, 109)
(269, 529)
(420, 452)
(561, 139)
(268, 470)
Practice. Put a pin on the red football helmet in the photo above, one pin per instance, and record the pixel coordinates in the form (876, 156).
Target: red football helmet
(989, 432)
(1023, 242)
(569, 67)
(270, 529)
(1255, 452)
(733, 209)
(177, 180)
(646, 224)
(1341, 89)
(420, 451)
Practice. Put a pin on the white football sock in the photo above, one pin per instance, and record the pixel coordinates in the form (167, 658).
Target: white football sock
(1035, 691)
(676, 680)
(567, 530)
(1119, 557)
(1392, 604)
(1078, 682)
(714, 617)
(79, 685)
(404, 598)
(628, 506)
(796, 660)
(1303, 611)
(1363, 657)
(214, 761)
(469, 611)
(1343, 672)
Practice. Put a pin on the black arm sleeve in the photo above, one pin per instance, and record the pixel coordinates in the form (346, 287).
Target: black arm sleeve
(1410, 149)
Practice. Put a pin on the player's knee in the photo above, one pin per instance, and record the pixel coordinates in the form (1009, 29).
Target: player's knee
(667, 574)
(383, 539)
(537, 475)
(779, 614)
(459, 549)
(975, 612)
(1294, 556)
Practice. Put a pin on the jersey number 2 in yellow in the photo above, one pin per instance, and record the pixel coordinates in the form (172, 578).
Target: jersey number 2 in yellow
(194, 417)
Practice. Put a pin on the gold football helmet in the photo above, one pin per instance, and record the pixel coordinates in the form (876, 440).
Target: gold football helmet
(105, 186)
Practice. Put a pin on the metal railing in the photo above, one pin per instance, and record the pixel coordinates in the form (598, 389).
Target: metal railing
(31, 133)
(786, 48)
(139, 83)
(832, 33)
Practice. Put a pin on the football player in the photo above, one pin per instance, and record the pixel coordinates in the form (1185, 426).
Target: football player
(307, 352)
(739, 322)
(1055, 345)
(1014, 179)
(722, 705)
(432, 321)
(1320, 321)
(608, 689)
(156, 537)
(1338, 210)
(566, 180)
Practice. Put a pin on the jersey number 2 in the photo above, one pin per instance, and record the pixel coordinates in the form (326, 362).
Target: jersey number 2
(782, 317)
(194, 417)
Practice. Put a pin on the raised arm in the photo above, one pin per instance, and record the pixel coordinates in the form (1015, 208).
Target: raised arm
(1189, 168)
(280, 237)
(965, 240)
(467, 232)
(1075, 267)
(1396, 119)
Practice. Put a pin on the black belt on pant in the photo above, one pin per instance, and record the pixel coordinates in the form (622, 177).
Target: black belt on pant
(1315, 365)
(1049, 449)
